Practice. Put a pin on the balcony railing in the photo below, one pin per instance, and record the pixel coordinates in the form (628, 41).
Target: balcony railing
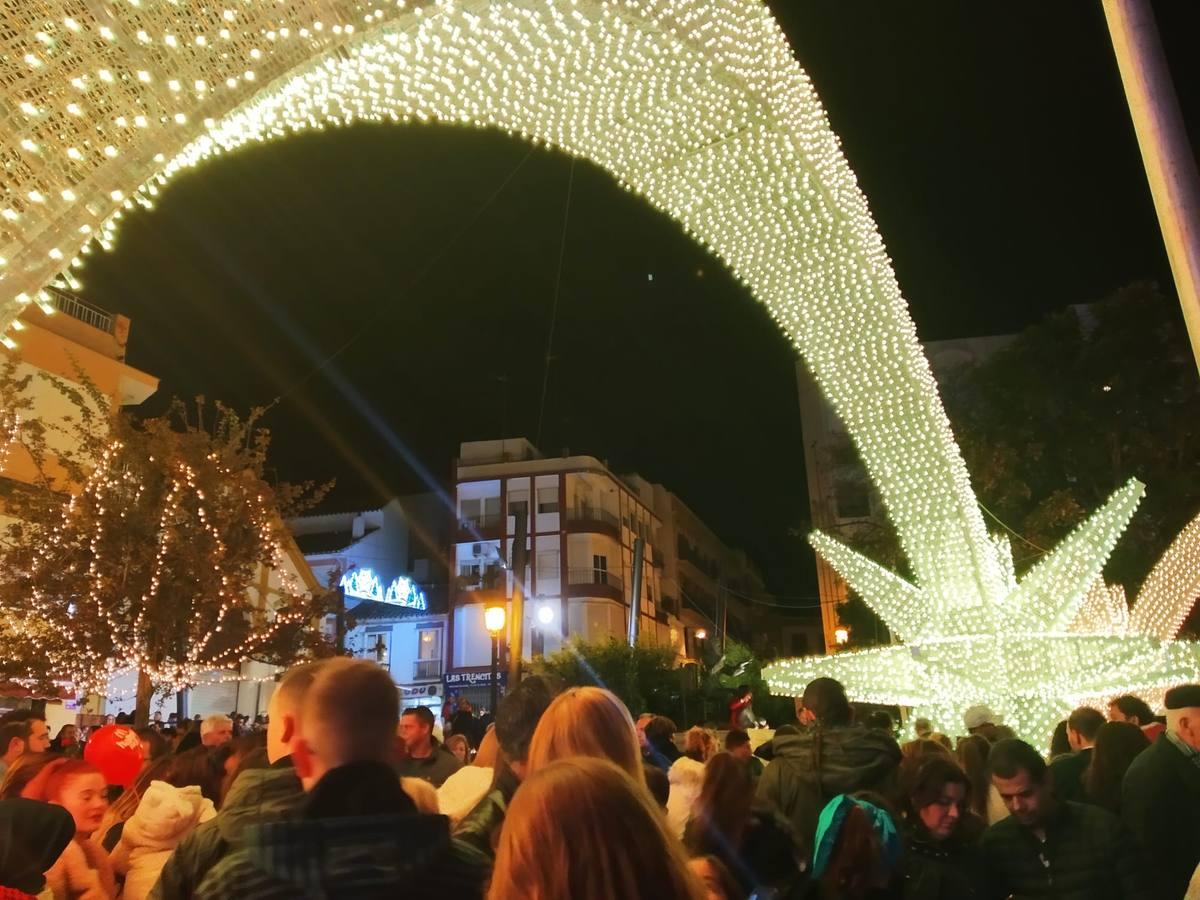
(588, 514)
(603, 577)
(85, 312)
(427, 669)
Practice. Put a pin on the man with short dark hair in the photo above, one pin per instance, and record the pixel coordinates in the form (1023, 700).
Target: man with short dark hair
(737, 745)
(21, 732)
(1136, 711)
(827, 756)
(1066, 771)
(1160, 796)
(358, 834)
(1050, 848)
(424, 757)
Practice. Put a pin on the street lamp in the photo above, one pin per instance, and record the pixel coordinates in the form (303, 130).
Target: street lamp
(493, 621)
(841, 635)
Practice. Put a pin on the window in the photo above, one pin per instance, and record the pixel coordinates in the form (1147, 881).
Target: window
(518, 502)
(547, 570)
(470, 575)
(547, 500)
(377, 646)
(599, 569)
(429, 643)
(852, 497)
(471, 509)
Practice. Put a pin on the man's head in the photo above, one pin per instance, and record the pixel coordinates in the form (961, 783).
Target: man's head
(216, 730)
(1019, 774)
(348, 716)
(923, 728)
(517, 718)
(1082, 727)
(1183, 713)
(737, 743)
(979, 717)
(28, 734)
(464, 706)
(1128, 708)
(416, 730)
(824, 701)
(283, 709)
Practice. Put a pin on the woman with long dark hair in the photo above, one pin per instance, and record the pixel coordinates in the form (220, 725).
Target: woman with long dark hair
(1117, 745)
(941, 832)
(756, 846)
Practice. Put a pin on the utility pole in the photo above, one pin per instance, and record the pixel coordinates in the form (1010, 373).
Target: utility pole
(340, 599)
(516, 638)
(635, 595)
(1167, 155)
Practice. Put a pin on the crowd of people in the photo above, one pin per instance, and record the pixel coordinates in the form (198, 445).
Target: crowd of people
(564, 795)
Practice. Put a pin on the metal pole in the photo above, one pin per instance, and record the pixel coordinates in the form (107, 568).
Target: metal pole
(341, 620)
(495, 673)
(516, 641)
(1166, 154)
(635, 599)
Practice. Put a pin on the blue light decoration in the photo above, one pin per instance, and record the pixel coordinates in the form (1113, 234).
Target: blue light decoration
(365, 585)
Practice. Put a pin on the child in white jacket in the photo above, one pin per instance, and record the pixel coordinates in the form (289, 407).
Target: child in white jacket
(164, 817)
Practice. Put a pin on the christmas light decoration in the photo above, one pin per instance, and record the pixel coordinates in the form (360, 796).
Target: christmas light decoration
(365, 585)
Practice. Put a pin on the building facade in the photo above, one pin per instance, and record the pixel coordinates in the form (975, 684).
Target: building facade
(581, 523)
(842, 500)
(391, 567)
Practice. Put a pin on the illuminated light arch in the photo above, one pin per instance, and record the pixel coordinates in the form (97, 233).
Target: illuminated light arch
(697, 105)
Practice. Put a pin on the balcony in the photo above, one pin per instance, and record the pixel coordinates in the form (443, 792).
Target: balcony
(595, 583)
(484, 527)
(587, 519)
(78, 308)
(427, 670)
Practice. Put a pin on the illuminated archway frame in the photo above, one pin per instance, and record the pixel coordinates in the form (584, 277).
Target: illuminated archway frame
(699, 106)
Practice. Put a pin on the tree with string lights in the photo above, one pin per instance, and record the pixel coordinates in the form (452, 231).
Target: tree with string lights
(151, 562)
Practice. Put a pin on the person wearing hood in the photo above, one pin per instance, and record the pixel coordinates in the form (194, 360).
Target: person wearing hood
(256, 796)
(358, 834)
(164, 817)
(33, 835)
(827, 756)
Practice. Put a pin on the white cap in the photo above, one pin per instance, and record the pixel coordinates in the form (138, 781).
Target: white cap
(980, 714)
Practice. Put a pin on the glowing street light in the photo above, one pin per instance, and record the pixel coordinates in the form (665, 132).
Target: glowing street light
(841, 635)
(493, 621)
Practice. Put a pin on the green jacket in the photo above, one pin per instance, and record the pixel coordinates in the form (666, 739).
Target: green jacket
(810, 768)
(258, 796)
(1087, 855)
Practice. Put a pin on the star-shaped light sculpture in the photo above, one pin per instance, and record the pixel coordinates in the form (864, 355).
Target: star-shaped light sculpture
(1059, 638)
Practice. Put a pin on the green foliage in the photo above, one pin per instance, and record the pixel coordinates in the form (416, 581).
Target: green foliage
(643, 677)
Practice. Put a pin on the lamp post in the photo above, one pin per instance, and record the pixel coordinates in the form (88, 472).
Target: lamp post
(493, 621)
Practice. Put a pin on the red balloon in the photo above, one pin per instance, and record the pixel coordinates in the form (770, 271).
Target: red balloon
(116, 750)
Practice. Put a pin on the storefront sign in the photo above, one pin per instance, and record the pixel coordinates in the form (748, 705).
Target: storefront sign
(471, 679)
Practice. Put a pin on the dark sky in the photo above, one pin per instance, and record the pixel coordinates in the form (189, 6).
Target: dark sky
(993, 144)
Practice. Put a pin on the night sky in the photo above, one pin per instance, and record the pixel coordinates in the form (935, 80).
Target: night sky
(993, 144)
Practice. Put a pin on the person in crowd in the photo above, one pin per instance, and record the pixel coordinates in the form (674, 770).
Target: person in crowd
(1066, 772)
(230, 756)
(985, 800)
(1136, 711)
(33, 835)
(1060, 743)
(21, 732)
(424, 757)
(1117, 745)
(358, 833)
(257, 796)
(737, 745)
(658, 784)
(216, 730)
(194, 768)
(460, 793)
(66, 741)
(587, 721)
(686, 776)
(165, 815)
(1049, 847)
(715, 878)
(756, 847)
(941, 833)
(516, 721)
(1160, 796)
(154, 745)
(741, 710)
(921, 748)
(944, 740)
(582, 829)
(829, 756)
(922, 728)
(660, 749)
(980, 719)
(465, 723)
(83, 869)
(857, 848)
(881, 721)
(460, 747)
(189, 738)
(23, 771)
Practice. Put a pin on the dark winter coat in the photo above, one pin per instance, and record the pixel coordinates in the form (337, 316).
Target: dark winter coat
(359, 836)
(434, 768)
(258, 796)
(1067, 773)
(812, 766)
(1160, 804)
(944, 870)
(1087, 855)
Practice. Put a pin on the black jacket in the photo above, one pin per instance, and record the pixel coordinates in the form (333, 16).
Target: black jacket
(944, 870)
(1087, 855)
(1160, 804)
(812, 766)
(1067, 771)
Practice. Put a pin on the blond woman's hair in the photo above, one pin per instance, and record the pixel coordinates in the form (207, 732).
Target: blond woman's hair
(700, 744)
(587, 721)
(581, 829)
